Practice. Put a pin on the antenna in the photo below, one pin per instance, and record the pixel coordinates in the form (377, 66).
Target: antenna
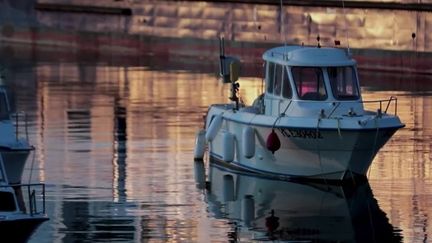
(282, 21)
(346, 27)
(222, 67)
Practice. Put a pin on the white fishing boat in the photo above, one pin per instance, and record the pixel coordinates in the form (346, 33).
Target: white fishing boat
(14, 145)
(20, 212)
(262, 209)
(309, 123)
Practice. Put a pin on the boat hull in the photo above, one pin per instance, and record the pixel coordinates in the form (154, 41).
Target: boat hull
(14, 162)
(307, 152)
(21, 228)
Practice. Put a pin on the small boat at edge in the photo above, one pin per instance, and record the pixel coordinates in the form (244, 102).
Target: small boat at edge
(14, 145)
(22, 208)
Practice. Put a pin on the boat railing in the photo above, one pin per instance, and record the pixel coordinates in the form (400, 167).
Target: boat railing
(32, 194)
(381, 106)
(34, 201)
(21, 125)
(386, 103)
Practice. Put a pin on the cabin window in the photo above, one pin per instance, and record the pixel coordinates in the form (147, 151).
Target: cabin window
(275, 78)
(286, 92)
(343, 82)
(4, 112)
(309, 83)
(7, 202)
(270, 77)
(278, 79)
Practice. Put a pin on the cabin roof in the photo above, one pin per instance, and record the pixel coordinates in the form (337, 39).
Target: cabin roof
(309, 56)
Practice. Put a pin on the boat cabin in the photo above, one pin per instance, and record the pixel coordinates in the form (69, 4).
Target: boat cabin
(309, 77)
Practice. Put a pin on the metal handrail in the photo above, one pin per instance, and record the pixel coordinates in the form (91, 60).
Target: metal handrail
(31, 197)
(389, 101)
(32, 201)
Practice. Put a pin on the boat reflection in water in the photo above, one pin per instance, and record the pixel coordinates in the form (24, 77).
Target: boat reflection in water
(266, 209)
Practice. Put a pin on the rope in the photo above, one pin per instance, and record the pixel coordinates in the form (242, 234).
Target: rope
(375, 141)
(318, 151)
(338, 127)
(284, 113)
(371, 220)
(334, 109)
(277, 119)
(281, 114)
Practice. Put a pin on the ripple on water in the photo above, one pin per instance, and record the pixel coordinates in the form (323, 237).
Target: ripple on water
(114, 145)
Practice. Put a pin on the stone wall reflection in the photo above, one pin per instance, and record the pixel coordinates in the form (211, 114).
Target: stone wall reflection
(79, 108)
(365, 28)
(155, 103)
(122, 127)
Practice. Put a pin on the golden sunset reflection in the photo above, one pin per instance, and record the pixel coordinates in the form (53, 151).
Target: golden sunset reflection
(115, 93)
(115, 134)
(162, 112)
(401, 173)
(80, 109)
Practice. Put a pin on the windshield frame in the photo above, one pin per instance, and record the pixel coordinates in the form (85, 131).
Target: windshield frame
(316, 92)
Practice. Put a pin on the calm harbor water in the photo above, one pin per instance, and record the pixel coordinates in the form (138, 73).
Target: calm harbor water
(114, 145)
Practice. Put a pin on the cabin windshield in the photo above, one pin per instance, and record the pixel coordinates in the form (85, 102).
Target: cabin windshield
(309, 82)
(343, 81)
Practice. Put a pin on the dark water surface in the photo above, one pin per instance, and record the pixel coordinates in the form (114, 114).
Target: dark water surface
(115, 148)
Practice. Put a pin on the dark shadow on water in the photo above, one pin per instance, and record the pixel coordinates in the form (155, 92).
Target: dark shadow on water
(82, 224)
(265, 210)
(119, 152)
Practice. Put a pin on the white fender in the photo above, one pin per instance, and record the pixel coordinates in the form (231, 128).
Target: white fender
(248, 142)
(228, 188)
(248, 209)
(200, 145)
(228, 147)
(213, 128)
(199, 174)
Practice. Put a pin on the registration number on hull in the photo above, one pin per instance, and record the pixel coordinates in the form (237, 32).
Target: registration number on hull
(301, 133)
